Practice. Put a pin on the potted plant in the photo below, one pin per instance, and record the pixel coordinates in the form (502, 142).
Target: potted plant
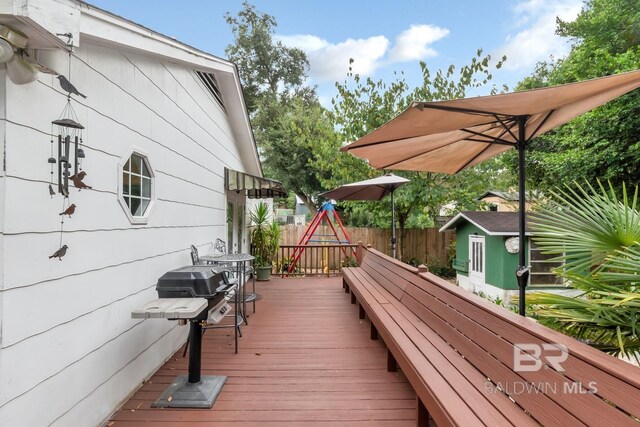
(265, 240)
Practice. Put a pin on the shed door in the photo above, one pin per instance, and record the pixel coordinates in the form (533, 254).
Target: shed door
(476, 260)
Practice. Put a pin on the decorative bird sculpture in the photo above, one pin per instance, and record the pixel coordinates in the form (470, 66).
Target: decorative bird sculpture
(51, 192)
(60, 253)
(70, 210)
(80, 175)
(68, 87)
(77, 181)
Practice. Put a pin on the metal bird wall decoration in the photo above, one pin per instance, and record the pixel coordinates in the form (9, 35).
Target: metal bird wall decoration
(69, 211)
(68, 87)
(60, 253)
(77, 181)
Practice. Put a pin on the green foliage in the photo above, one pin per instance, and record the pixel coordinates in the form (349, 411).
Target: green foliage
(265, 66)
(287, 119)
(596, 233)
(265, 236)
(605, 142)
(289, 140)
(349, 261)
(362, 105)
(439, 268)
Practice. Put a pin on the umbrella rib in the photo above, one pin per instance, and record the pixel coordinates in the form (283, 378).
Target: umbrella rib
(541, 124)
(490, 140)
(506, 127)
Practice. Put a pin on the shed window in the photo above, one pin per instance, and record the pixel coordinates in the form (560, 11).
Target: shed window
(541, 267)
(136, 185)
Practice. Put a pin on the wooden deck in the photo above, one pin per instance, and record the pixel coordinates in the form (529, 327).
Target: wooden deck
(305, 360)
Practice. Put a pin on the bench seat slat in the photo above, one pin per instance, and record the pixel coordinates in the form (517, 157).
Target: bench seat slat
(448, 342)
(472, 394)
(542, 408)
(604, 364)
(437, 394)
(477, 380)
(470, 387)
(499, 337)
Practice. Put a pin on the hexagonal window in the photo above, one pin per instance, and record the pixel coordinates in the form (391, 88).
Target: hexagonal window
(136, 194)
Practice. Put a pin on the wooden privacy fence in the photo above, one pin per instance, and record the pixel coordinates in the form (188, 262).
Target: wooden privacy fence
(418, 244)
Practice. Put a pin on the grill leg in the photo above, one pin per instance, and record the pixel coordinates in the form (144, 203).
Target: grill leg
(195, 351)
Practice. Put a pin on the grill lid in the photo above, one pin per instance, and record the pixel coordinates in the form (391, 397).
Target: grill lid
(192, 281)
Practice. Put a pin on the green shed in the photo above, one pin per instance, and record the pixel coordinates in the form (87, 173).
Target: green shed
(486, 259)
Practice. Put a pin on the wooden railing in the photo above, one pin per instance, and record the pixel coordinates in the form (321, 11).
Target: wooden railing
(418, 244)
(314, 260)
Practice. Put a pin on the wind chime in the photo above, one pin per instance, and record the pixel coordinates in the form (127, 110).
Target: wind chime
(70, 154)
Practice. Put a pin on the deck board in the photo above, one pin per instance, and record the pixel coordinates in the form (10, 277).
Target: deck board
(305, 360)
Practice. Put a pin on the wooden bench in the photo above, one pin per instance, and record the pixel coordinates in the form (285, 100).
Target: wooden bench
(459, 351)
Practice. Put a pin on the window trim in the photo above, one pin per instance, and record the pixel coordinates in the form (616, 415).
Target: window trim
(144, 219)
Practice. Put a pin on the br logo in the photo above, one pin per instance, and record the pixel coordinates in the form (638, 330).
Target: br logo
(529, 357)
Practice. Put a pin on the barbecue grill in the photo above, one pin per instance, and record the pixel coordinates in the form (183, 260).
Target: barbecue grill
(194, 294)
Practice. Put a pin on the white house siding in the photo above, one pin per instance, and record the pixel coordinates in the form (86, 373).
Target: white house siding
(69, 351)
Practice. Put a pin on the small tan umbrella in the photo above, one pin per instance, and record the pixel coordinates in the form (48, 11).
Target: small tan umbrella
(449, 136)
(372, 189)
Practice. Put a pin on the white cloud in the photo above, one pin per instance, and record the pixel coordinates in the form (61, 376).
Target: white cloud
(413, 44)
(306, 42)
(331, 61)
(535, 38)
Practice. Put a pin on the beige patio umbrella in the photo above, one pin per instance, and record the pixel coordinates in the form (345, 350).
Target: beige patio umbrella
(372, 189)
(449, 136)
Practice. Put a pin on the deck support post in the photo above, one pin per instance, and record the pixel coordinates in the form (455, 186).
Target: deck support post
(392, 364)
(374, 332)
(360, 311)
(422, 414)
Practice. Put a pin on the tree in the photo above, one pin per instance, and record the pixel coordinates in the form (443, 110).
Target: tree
(286, 116)
(362, 105)
(604, 143)
(266, 66)
(289, 142)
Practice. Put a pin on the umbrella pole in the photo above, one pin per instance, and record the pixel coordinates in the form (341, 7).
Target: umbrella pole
(393, 226)
(522, 273)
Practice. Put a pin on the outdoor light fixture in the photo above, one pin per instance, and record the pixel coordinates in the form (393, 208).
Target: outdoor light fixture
(12, 45)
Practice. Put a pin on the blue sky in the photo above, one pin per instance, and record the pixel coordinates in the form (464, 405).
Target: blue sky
(382, 36)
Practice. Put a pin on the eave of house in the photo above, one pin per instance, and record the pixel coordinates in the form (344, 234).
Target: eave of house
(41, 20)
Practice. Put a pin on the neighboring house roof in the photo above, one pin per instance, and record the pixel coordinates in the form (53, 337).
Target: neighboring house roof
(491, 222)
(512, 197)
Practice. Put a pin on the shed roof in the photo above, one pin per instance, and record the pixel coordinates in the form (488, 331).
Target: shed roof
(491, 222)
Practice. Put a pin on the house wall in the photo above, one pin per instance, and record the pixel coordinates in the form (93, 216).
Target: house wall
(69, 351)
(504, 205)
